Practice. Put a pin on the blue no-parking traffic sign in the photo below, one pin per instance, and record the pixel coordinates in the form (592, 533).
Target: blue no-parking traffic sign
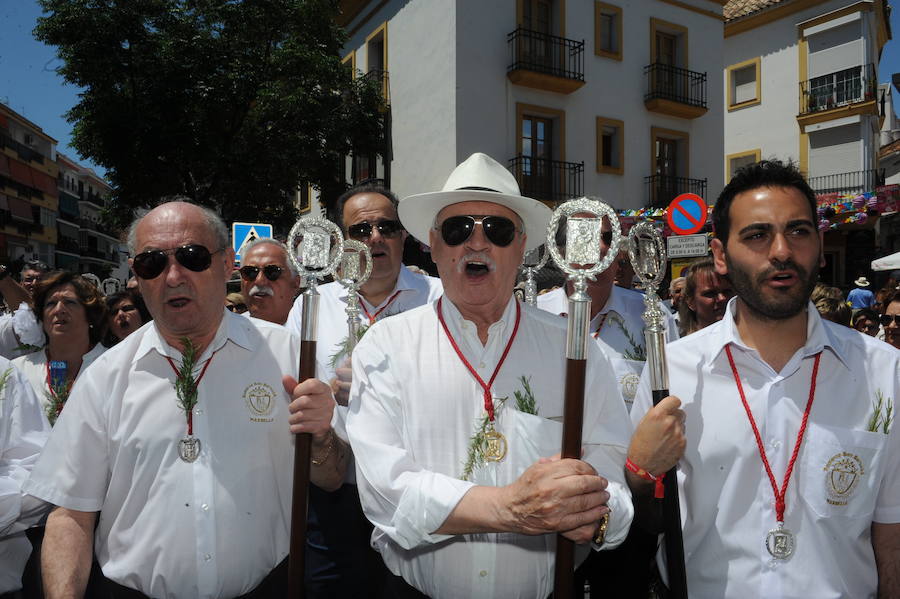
(686, 214)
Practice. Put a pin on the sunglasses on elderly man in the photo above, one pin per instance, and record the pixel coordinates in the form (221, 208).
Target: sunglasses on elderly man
(194, 257)
(887, 319)
(499, 230)
(272, 272)
(389, 229)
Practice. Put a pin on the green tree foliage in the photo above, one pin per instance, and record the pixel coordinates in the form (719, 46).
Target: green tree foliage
(233, 103)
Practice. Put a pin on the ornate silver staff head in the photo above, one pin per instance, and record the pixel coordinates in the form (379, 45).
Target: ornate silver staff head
(353, 275)
(110, 286)
(533, 262)
(648, 258)
(582, 262)
(315, 248)
(94, 279)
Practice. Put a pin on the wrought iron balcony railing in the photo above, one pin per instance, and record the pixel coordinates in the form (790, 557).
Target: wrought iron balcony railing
(381, 77)
(667, 82)
(543, 53)
(24, 152)
(841, 88)
(67, 244)
(551, 181)
(854, 182)
(662, 189)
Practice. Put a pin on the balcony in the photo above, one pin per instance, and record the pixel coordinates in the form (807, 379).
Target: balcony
(662, 189)
(544, 61)
(68, 245)
(382, 80)
(24, 152)
(674, 91)
(839, 94)
(550, 181)
(850, 183)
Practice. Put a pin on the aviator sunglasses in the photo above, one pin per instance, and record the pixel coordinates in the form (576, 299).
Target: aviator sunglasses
(149, 264)
(498, 229)
(887, 319)
(389, 229)
(272, 272)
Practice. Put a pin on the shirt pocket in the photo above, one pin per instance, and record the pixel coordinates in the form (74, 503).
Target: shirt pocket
(841, 471)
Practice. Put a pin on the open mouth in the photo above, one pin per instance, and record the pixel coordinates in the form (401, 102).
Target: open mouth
(477, 269)
(178, 302)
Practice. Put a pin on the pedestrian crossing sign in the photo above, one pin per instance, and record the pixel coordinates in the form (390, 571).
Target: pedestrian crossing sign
(244, 233)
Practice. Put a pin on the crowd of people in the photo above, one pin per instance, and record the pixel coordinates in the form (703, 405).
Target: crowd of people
(435, 441)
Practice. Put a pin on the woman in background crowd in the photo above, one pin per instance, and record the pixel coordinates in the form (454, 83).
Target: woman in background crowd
(72, 313)
(834, 309)
(127, 313)
(235, 303)
(890, 318)
(706, 293)
(866, 321)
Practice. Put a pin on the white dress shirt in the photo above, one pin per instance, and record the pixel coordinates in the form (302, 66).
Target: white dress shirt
(34, 367)
(23, 432)
(168, 528)
(20, 332)
(621, 333)
(845, 477)
(413, 409)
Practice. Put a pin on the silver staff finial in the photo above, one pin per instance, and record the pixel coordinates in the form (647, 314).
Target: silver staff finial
(353, 276)
(533, 262)
(648, 258)
(316, 247)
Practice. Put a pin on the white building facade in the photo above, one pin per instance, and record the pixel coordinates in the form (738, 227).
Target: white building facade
(800, 83)
(619, 99)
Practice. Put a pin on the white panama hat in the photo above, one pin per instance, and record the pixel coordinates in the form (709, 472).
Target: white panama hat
(861, 282)
(479, 178)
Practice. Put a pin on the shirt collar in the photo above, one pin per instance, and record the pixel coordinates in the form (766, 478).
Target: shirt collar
(455, 321)
(818, 336)
(615, 302)
(406, 281)
(233, 327)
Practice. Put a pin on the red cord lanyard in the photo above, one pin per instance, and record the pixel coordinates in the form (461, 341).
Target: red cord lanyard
(488, 400)
(190, 413)
(779, 495)
(600, 325)
(373, 317)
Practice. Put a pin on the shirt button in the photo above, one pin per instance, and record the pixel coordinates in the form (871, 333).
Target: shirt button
(483, 573)
(481, 365)
(207, 557)
(198, 411)
(204, 507)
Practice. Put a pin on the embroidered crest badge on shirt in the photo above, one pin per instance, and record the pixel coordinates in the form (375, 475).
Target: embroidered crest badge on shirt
(630, 384)
(260, 399)
(842, 474)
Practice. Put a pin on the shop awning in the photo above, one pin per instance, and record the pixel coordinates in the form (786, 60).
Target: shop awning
(891, 262)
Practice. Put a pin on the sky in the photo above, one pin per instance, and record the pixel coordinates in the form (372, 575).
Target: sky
(30, 86)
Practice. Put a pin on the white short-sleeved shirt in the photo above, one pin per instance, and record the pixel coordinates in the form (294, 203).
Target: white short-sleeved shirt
(167, 528)
(23, 432)
(34, 367)
(845, 476)
(621, 333)
(413, 410)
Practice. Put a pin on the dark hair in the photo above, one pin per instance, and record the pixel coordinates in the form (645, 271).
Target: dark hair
(356, 190)
(835, 310)
(113, 300)
(888, 299)
(89, 296)
(36, 265)
(765, 173)
(864, 313)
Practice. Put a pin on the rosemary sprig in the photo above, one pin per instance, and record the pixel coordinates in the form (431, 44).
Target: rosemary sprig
(637, 351)
(3, 380)
(57, 396)
(525, 401)
(185, 385)
(344, 347)
(879, 422)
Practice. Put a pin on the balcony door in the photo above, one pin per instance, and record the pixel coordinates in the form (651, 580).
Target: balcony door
(537, 19)
(667, 159)
(537, 156)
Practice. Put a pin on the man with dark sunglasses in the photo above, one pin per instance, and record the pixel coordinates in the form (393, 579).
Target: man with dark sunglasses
(340, 561)
(20, 332)
(269, 282)
(789, 456)
(189, 469)
(455, 408)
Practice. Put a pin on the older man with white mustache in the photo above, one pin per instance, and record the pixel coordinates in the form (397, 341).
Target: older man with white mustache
(269, 282)
(455, 412)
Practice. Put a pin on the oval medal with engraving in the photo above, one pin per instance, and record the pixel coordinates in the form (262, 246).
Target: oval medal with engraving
(189, 448)
(494, 446)
(780, 542)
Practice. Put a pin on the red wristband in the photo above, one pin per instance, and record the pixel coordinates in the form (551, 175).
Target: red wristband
(659, 490)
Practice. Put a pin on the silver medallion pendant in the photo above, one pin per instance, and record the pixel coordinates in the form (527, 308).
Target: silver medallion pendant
(189, 448)
(780, 542)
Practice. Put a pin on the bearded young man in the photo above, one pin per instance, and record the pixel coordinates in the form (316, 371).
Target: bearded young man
(790, 478)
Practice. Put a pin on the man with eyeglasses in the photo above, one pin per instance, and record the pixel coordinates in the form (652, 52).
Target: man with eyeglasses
(20, 332)
(789, 457)
(455, 409)
(269, 281)
(340, 562)
(186, 454)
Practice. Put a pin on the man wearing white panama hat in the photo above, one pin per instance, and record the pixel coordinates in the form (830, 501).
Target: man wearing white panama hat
(861, 296)
(455, 410)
